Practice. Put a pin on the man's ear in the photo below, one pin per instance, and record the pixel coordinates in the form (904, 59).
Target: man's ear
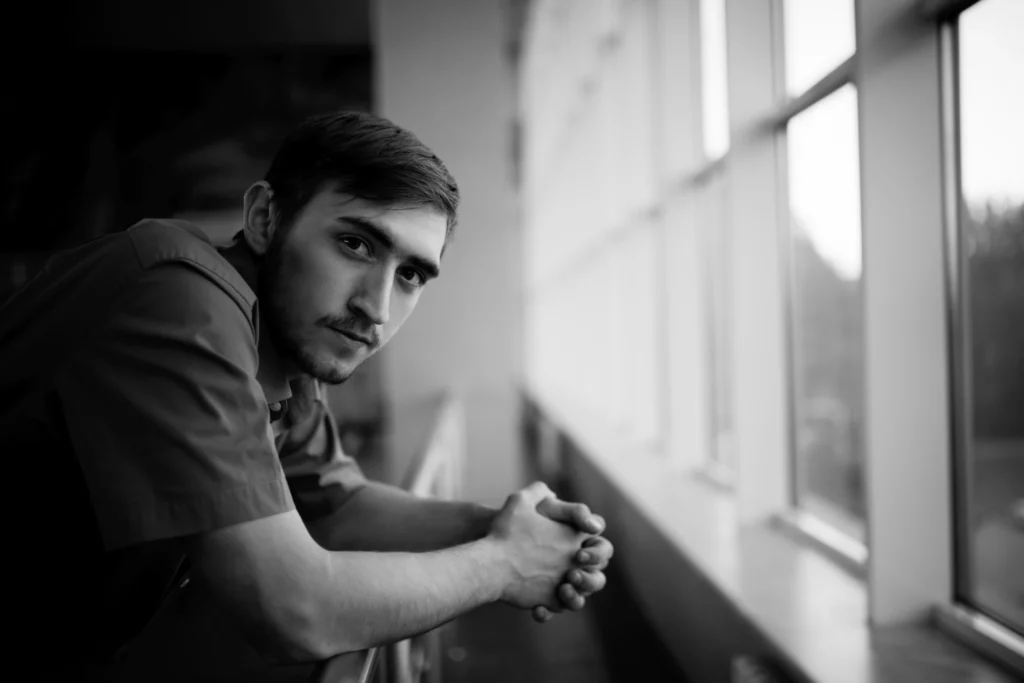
(258, 217)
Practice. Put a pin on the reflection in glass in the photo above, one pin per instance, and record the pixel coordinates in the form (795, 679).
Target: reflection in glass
(826, 325)
(714, 98)
(992, 240)
(819, 36)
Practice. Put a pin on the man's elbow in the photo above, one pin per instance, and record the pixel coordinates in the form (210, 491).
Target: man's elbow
(308, 635)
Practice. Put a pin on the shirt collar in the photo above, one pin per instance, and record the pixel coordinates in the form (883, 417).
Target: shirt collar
(271, 371)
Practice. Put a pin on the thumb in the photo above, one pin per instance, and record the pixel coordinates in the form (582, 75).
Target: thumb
(576, 515)
(536, 493)
(542, 614)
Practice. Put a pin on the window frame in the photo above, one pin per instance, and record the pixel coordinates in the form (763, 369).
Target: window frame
(958, 617)
(844, 548)
(898, 72)
(718, 467)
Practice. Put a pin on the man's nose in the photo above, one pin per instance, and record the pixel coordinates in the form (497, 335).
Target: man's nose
(373, 299)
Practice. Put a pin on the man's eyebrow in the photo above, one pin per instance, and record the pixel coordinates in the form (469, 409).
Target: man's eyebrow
(429, 268)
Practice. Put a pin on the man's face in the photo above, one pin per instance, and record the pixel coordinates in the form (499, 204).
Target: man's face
(343, 278)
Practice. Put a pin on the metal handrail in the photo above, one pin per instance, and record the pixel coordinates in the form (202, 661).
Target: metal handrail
(434, 469)
(370, 665)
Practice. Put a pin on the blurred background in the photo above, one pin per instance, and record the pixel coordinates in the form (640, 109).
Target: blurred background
(746, 276)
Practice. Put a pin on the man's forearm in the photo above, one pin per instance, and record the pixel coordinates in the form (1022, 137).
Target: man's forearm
(384, 518)
(301, 602)
(392, 596)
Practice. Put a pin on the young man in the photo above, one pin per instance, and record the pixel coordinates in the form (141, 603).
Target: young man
(162, 395)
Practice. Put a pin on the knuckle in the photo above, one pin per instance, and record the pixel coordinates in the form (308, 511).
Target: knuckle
(539, 488)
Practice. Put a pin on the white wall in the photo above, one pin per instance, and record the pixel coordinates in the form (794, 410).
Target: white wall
(595, 227)
(442, 71)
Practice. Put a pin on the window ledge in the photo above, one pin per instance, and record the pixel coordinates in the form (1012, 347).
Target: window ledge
(810, 609)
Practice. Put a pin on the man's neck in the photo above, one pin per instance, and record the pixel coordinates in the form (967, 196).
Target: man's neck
(272, 373)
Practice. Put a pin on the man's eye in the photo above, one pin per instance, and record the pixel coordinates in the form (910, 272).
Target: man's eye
(355, 244)
(413, 277)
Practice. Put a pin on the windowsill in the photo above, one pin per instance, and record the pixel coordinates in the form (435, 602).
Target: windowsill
(717, 475)
(812, 611)
(823, 538)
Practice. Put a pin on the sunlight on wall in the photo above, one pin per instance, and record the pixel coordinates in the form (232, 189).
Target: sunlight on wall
(590, 249)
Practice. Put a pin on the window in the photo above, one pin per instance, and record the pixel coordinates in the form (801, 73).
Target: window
(714, 230)
(715, 99)
(711, 224)
(990, 418)
(787, 266)
(826, 325)
(819, 37)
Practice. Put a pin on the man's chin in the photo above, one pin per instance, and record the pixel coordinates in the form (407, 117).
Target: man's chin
(327, 370)
(334, 373)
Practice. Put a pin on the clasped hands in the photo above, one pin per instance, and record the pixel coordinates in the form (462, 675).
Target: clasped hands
(542, 547)
(567, 559)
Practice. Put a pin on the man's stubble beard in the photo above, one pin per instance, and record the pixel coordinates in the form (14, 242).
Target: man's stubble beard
(272, 295)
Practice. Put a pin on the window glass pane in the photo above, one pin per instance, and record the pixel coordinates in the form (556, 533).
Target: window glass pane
(715, 99)
(636, 260)
(820, 36)
(992, 224)
(714, 229)
(826, 317)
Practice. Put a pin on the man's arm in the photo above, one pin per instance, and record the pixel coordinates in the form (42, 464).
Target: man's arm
(343, 511)
(384, 518)
(303, 602)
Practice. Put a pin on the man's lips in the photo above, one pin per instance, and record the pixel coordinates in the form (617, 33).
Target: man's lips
(368, 341)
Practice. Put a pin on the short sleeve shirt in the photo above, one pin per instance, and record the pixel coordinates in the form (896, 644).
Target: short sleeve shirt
(132, 416)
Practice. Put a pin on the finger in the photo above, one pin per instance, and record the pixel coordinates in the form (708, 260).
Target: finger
(595, 554)
(587, 583)
(536, 492)
(576, 515)
(585, 520)
(557, 510)
(570, 598)
(542, 615)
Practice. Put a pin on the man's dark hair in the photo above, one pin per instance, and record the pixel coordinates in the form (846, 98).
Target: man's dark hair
(368, 157)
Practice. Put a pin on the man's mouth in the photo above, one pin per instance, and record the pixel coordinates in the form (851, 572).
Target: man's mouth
(362, 339)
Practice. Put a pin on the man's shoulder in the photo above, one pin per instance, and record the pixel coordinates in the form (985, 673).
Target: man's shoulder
(164, 241)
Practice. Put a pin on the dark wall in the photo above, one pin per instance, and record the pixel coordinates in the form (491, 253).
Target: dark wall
(115, 111)
(107, 137)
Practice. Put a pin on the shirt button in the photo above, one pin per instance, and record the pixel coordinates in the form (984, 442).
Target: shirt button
(275, 406)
